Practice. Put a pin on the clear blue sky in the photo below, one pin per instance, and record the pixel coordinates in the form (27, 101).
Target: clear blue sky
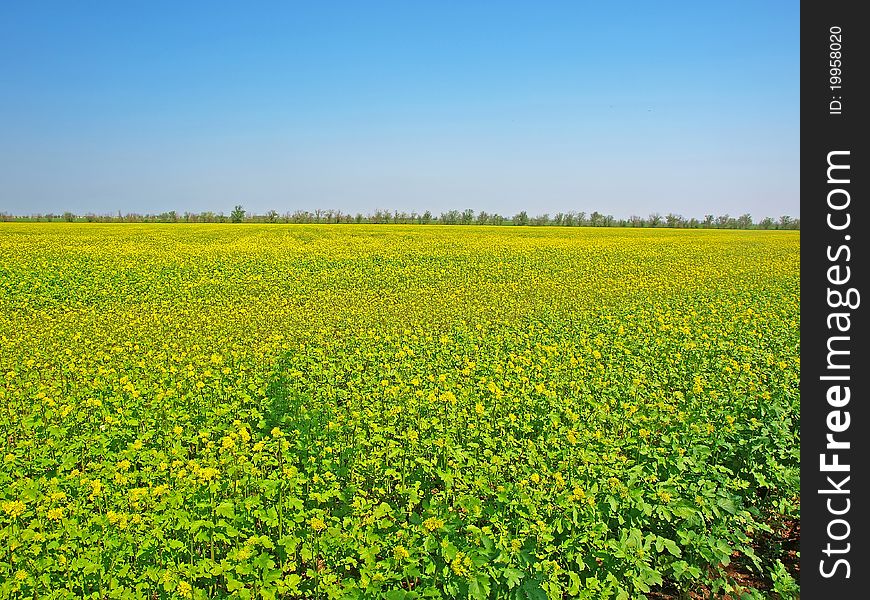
(621, 107)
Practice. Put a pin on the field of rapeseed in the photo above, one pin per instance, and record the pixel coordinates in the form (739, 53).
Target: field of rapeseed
(393, 412)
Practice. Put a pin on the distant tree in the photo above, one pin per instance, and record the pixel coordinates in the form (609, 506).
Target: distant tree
(451, 217)
(744, 221)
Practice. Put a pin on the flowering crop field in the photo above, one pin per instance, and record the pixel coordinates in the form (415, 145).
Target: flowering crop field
(270, 411)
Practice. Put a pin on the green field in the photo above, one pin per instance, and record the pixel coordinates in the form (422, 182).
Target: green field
(262, 411)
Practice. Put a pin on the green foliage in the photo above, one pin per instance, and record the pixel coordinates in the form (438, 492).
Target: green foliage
(238, 214)
(273, 412)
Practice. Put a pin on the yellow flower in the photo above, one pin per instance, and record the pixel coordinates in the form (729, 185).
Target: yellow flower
(448, 397)
(185, 590)
(244, 553)
(13, 508)
(401, 553)
(431, 524)
(55, 514)
(178, 430)
(96, 488)
(137, 494)
(21, 575)
(207, 474)
(317, 524)
(461, 564)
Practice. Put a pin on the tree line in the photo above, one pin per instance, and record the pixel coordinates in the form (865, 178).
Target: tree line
(451, 217)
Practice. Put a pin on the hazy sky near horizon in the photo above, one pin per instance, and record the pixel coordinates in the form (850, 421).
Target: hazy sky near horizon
(621, 107)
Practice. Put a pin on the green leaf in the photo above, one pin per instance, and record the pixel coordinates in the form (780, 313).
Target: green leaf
(478, 587)
(233, 584)
(512, 576)
(226, 509)
(727, 505)
(533, 591)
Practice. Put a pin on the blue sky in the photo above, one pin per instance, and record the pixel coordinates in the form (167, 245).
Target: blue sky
(621, 107)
